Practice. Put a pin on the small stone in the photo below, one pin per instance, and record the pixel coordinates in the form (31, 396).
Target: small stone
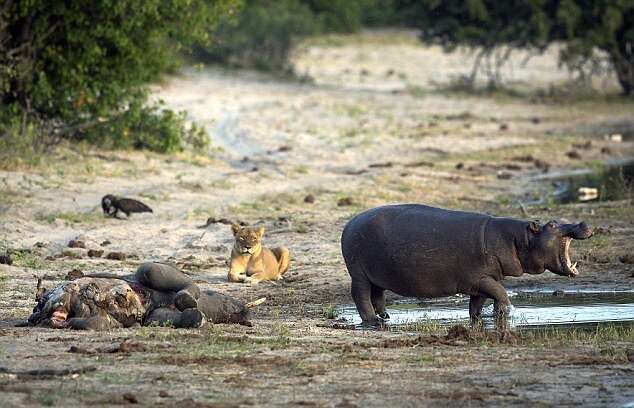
(95, 253)
(106, 243)
(163, 394)
(535, 120)
(460, 165)
(606, 150)
(284, 148)
(117, 256)
(76, 244)
(502, 175)
(345, 201)
(504, 126)
(309, 199)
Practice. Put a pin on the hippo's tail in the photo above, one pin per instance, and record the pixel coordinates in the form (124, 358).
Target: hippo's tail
(255, 303)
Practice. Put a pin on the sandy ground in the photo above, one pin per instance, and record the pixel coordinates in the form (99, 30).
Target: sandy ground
(377, 124)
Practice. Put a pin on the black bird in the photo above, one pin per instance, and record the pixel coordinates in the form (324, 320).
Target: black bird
(111, 206)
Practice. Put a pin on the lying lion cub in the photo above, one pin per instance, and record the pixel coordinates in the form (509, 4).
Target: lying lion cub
(250, 262)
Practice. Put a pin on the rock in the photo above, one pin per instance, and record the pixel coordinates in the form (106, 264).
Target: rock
(502, 175)
(573, 154)
(535, 120)
(95, 253)
(74, 274)
(345, 201)
(627, 259)
(460, 165)
(40, 244)
(117, 256)
(617, 137)
(6, 259)
(504, 126)
(309, 199)
(606, 150)
(76, 244)
(163, 394)
(106, 243)
(284, 148)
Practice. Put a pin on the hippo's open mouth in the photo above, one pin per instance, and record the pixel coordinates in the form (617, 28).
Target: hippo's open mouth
(564, 258)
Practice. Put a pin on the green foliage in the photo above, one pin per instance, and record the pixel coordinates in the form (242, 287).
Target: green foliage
(263, 32)
(73, 66)
(261, 36)
(583, 26)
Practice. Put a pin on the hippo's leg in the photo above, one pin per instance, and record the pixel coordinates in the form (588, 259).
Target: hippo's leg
(501, 302)
(361, 290)
(377, 296)
(165, 316)
(165, 278)
(476, 302)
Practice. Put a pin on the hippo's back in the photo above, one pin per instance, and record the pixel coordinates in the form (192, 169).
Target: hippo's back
(415, 250)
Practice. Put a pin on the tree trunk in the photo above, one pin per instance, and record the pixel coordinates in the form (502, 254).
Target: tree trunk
(624, 72)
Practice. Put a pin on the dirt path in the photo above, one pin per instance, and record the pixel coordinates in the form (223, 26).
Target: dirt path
(370, 127)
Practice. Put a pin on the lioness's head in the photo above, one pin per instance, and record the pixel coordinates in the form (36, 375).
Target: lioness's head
(248, 240)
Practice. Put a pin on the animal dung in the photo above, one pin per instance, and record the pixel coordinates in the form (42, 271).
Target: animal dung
(345, 201)
(76, 244)
(573, 154)
(95, 253)
(117, 256)
(6, 260)
(74, 274)
(309, 199)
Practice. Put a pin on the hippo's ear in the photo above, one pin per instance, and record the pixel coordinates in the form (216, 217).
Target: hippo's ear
(533, 227)
(235, 228)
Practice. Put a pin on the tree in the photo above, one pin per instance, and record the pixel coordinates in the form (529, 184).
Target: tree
(81, 65)
(582, 26)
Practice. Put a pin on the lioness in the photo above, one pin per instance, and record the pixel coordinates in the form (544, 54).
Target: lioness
(250, 261)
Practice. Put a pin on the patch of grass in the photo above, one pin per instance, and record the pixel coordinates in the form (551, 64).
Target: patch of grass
(601, 336)
(70, 217)
(27, 259)
(329, 312)
(416, 91)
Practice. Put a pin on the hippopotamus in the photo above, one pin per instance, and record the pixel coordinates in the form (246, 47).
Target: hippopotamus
(157, 294)
(420, 251)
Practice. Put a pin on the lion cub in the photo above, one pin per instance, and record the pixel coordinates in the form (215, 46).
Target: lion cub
(251, 262)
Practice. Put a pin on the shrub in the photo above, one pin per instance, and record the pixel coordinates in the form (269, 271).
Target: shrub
(78, 68)
(261, 36)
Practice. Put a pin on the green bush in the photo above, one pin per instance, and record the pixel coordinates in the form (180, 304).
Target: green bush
(78, 68)
(261, 36)
(263, 33)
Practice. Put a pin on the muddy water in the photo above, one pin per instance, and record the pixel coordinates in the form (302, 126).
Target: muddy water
(614, 181)
(579, 308)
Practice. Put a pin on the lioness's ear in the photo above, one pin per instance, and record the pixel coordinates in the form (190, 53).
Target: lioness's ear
(533, 227)
(235, 228)
(260, 231)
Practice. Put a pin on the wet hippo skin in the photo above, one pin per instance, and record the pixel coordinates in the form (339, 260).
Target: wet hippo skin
(426, 252)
